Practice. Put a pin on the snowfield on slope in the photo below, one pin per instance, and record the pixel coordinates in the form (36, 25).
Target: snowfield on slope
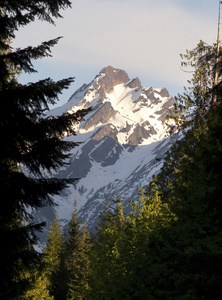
(122, 142)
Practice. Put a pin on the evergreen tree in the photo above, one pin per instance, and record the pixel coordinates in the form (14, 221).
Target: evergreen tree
(52, 257)
(80, 267)
(192, 105)
(107, 268)
(76, 258)
(190, 182)
(30, 141)
(39, 287)
(125, 252)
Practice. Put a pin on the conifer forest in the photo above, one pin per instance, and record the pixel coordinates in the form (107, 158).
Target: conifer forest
(169, 247)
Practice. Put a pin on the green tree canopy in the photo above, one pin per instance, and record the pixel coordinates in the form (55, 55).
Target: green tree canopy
(52, 260)
(190, 182)
(76, 252)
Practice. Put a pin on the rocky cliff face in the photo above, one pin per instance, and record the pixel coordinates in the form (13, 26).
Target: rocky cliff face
(122, 137)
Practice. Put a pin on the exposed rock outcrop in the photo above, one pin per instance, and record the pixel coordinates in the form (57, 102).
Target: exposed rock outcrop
(112, 77)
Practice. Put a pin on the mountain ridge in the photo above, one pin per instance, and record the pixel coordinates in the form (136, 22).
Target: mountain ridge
(121, 139)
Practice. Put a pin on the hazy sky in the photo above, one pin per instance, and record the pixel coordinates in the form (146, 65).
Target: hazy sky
(143, 37)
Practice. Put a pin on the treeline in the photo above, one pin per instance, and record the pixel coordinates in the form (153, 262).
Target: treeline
(161, 250)
(114, 263)
(63, 269)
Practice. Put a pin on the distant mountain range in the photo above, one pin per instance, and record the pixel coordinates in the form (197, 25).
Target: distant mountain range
(123, 141)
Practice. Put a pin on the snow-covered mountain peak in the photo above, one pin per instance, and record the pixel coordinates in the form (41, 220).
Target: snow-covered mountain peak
(121, 108)
(121, 138)
(123, 96)
(103, 83)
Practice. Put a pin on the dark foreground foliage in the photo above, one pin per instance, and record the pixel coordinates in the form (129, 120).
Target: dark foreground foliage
(32, 144)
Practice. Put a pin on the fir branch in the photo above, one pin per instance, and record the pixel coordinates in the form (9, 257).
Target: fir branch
(22, 57)
(15, 14)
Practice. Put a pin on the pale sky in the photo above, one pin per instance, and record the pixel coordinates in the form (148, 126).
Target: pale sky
(143, 37)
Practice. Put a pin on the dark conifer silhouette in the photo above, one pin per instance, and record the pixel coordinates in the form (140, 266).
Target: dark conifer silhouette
(31, 143)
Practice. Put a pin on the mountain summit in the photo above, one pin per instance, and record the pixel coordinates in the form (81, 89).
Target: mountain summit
(120, 140)
(122, 108)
